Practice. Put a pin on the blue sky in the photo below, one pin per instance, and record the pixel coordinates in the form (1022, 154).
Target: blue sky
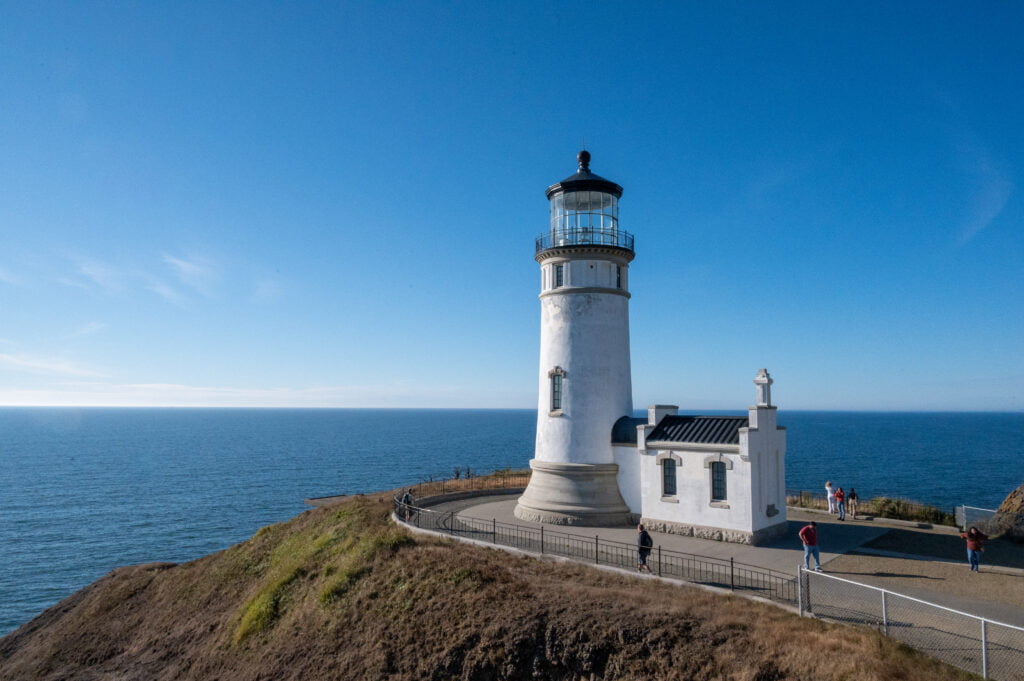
(313, 204)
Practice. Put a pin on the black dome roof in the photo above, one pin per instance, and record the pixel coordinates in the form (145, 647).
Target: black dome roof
(584, 180)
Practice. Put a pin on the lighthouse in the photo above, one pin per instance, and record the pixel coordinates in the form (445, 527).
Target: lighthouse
(584, 382)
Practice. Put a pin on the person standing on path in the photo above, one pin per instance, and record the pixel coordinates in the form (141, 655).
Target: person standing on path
(809, 536)
(406, 502)
(851, 500)
(975, 545)
(841, 503)
(830, 494)
(644, 543)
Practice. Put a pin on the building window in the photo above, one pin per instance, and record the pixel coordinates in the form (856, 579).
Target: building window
(559, 276)
(718, 488)
(618, 277)
(556, 375)
(668, 478)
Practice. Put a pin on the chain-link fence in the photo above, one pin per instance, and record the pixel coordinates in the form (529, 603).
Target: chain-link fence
(719, 572)
(975, 644)
(967, 516)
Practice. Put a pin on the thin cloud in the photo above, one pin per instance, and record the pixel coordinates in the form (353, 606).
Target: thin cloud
(43, 365)
(198, 274)
(168, 293)
(94, 393)
(89, 329)
(991, 193)
(7, 277)
(990, 187)
(101, 274)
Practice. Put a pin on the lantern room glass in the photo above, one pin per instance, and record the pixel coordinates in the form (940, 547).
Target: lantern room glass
(579, 213)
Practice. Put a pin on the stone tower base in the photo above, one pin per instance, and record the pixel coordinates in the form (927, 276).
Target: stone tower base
(583, 494)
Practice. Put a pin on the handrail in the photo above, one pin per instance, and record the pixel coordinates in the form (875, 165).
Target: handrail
(584, 236)
(911, 598)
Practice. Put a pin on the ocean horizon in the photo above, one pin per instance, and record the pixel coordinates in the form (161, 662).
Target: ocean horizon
(84, 490)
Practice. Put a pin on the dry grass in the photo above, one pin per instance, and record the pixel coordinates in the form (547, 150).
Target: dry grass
(341, 593)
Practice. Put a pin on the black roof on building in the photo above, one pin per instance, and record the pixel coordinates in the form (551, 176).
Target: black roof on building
(584, 180)
(712, 430)
(624, 430)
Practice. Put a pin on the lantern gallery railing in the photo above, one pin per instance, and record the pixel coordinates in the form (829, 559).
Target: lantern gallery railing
(584, 236)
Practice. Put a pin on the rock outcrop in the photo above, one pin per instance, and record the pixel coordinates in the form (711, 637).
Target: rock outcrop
(1008, 522)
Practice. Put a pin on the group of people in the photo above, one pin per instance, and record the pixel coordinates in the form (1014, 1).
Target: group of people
(838, 499)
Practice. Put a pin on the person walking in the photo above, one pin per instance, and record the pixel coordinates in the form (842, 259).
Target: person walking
(841, 503)
(975, 545)
(406, 502)
(851, 501)
(644, 543)
(830, 494)
(809, 537)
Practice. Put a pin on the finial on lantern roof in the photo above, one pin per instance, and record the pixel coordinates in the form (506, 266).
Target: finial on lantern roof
(764, 388)
(584, 160)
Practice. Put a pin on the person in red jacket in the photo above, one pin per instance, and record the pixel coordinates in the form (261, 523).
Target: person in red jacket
(809, 536)
(975, 545)
(841, 503)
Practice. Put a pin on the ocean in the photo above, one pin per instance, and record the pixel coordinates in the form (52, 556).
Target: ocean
(83, 491)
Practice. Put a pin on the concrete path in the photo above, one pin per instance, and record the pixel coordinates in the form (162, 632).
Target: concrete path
(836, 539)
(783, 556)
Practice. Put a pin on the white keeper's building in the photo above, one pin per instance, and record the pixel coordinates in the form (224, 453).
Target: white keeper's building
(719, 477)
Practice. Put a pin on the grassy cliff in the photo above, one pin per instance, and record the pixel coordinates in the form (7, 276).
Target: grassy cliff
(342, 593)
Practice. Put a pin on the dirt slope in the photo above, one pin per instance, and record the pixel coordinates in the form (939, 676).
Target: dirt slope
(340, 593)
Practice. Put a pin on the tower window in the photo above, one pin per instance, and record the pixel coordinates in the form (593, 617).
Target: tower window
(618, 276)
(559, 276)
(718, 488)
(668, 478)
(556, 375)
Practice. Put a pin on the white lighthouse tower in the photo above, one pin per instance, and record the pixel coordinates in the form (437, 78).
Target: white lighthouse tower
(584, 379)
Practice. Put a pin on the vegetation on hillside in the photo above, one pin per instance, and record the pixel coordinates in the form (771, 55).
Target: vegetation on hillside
(881, 507)
(343, 593)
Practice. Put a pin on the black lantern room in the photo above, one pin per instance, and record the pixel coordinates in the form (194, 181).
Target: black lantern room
(584, 212)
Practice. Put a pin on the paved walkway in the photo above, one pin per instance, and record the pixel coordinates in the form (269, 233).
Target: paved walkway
(836, 539)
(784, 555)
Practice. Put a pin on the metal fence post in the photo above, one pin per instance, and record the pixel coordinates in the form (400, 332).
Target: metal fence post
(542, 540)
(807, 592)
(885, 615)
(732, 573)
(984, 648)
(597, 550)
(659, 560)
(494, 530)
(800, 589)
(451, 522)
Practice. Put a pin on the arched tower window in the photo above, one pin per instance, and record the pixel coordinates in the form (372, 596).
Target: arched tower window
(556, 376)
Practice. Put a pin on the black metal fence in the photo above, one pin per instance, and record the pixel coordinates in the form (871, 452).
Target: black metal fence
(719, 572)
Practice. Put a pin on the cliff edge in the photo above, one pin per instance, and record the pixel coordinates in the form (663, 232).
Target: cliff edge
(342, 593)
